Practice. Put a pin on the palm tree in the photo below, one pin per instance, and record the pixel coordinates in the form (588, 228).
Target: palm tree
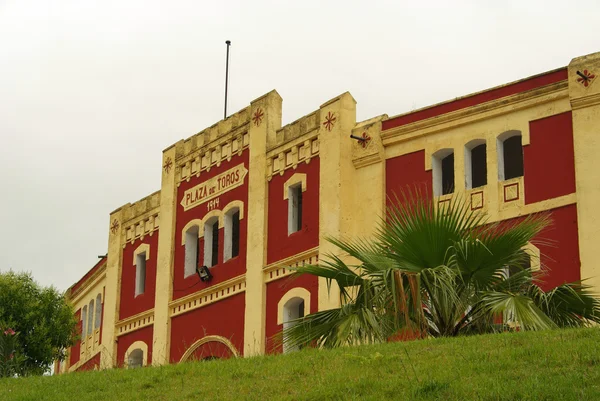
(439, 271)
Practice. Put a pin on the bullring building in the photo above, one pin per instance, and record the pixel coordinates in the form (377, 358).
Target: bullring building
(200, 268)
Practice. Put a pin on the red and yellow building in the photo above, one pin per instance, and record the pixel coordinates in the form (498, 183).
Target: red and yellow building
(248, 198)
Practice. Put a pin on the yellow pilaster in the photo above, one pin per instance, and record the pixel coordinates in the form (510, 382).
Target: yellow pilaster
(165, 257)
(585, 102)
(108, 358)
(265, 120)
(337, 188)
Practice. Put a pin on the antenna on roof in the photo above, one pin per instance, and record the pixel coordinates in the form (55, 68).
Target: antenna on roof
(228, 43)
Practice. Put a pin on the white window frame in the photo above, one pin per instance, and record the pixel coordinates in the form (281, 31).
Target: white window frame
(228, 212)
(83, 322)
(436, 166)
(288, 304)
(98, 313)
(468, 165)
(90, 323)
(289, 187)
(500, 150)
(208, 240)
(140, 258)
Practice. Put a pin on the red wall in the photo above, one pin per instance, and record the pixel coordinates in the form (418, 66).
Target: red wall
(473, 100)
(123, 342)
(91, 364)
(223, 318)
(130, 304)
(561, 254)
(222, 271)
(549, 159)
(276, 290)
(76, 348)
(406, 173)
(279, 244)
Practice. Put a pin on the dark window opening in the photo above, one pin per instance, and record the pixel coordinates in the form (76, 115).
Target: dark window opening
(301, 309)
(235, 234)
(215, 243)
(478, 166)
(513, 157)
(448, 174)
(299, 198)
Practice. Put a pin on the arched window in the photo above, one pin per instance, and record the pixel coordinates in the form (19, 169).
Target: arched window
(98, 311)
(475, 164)
(140, 273)
(293, 309)
(211, 242)
(90, 322)
(510, 155)
(135, 359)
(83, 322)
(443, 172)
(231, 247)
(191, 251)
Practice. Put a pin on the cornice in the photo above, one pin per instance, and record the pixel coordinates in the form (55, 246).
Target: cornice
(134, 322)
(208, 296)
(494, 108)
(584, 102)
(88, 284)
(281, 268)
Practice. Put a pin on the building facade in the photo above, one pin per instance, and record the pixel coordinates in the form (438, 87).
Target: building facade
(248, 198)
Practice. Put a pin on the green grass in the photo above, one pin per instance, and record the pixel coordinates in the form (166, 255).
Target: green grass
(552, 365)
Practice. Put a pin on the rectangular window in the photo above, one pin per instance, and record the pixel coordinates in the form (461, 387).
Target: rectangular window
(478, 166)
(235, 234)
(215, 244)
(513, 157)
(191, 251)
(140, 274)
(295, 208)
(448, 174)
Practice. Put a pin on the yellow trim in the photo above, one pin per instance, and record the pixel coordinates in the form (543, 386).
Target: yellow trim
(213, 213)
(209, 339)
(141, 249)
(534, 256)
(211, 294)
(297, 292)
(137, 345)
(236, 203)
(293, 180)
(134, 323)
(190, 224)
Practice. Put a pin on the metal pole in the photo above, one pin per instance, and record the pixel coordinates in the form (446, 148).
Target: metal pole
(228, 43)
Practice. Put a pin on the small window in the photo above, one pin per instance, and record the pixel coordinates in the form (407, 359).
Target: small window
(98, 312)
(475, 164)
(292, 310)
(211, 242)
(510, 155)
(140, 273)
(443, 172)
(90, 323)
(191, 251)
(294, 208)
(83, 321)
(136, 359)
(232, 234)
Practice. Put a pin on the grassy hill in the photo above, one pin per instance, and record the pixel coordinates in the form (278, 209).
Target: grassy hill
(552, 365)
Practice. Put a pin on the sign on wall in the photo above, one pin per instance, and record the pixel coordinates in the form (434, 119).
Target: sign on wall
(230, 179)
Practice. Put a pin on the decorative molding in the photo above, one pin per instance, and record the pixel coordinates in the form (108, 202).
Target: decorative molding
(511, 192)
(142, 248)
(145, 225)
(207, 156)
(134, 323)
(114, 226)
(587, 101)
(329, 121)
(208, 296)
(89, 284)
(281, 268)
(257, 117)
(206, 340)
(291, 155)
(469, 115)
(589, 78)
(477, 200)
(367, 160)
(168, 165)
(293, 180)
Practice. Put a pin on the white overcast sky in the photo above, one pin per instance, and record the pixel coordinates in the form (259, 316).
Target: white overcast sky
(91, 92)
